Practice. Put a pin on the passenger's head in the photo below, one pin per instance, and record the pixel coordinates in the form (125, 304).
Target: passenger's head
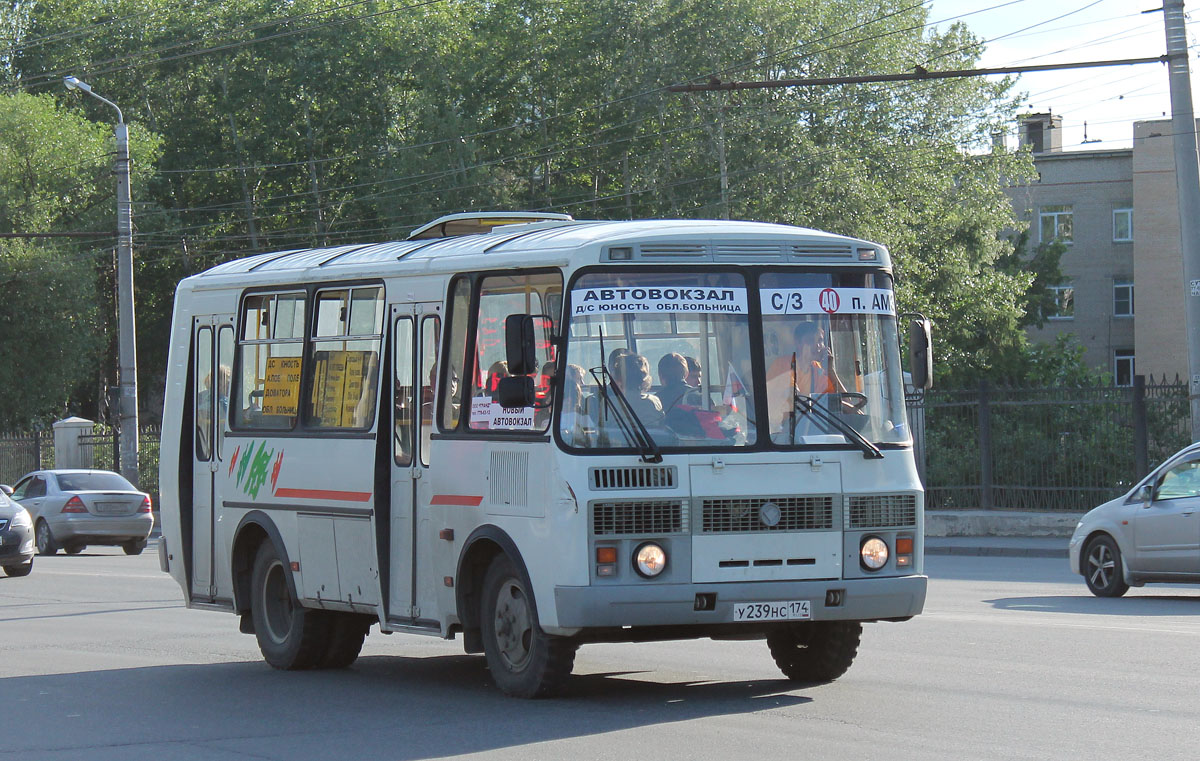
(616, 368)
(573, 381)
(694, 372)
(672, 368)
(497, 371)
(635, 373)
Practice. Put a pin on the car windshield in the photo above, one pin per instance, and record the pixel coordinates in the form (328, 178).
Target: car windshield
(93, 482)
(829, 339)
(658, 359)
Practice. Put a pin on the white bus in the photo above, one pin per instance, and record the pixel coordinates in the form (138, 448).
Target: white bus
(538, 432)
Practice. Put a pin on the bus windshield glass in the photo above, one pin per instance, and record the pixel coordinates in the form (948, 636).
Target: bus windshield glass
(830, 341)
(663, 355)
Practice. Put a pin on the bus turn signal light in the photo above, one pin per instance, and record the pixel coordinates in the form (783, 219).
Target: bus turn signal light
(606, 554)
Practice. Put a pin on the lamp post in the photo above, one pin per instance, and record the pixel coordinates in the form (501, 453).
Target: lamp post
(127, 347)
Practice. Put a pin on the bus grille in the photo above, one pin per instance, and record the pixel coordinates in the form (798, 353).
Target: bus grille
(633, 478)
(746, 514)
(881, 510)
(644, 517)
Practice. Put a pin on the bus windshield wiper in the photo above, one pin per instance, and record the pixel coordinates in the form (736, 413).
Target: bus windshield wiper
(631, 425)
(808, 405)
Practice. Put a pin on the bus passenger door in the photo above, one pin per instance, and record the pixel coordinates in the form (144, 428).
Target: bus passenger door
(212, 374)
(415, 332)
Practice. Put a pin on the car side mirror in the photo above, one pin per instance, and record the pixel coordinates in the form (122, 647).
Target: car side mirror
(1145, 495)
(8, 490)
(516, 391)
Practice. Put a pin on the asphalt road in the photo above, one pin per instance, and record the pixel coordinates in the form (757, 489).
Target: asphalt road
(1012, 659)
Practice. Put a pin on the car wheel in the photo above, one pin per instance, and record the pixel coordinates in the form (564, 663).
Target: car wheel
(289, 635)
(19, 570)
(816, 651)
(134, 546)
(525, 662)
(74, 549)
(44, 539)
(1102, 569)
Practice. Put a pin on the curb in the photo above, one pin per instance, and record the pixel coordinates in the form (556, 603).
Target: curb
(1008, 552)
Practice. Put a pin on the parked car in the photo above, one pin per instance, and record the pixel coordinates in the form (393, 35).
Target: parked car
(74, 508)
(16, 536)
(1150, 534)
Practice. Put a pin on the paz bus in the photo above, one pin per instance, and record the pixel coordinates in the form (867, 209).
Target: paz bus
(536, 432)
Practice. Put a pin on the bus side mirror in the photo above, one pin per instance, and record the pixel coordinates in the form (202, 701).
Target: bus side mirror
(516, 391)
(520, 349)
(920, 353)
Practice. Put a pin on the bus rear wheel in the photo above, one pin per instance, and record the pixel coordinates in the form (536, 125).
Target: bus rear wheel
(289, 635)
(816, 651)
(346, 634)
(525, 662)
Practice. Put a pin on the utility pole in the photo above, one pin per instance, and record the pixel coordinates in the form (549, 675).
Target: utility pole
(127, 345)
(1187, 183)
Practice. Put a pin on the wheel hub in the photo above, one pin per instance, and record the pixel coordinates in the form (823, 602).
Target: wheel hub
(513, 626)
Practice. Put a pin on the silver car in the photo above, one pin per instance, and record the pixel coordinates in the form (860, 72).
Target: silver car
(74, 508)
(1151, 534)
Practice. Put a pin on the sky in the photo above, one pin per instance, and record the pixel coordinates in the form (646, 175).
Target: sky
(1109, 100)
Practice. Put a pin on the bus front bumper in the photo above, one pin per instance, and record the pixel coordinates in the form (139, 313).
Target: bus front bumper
(680, 604)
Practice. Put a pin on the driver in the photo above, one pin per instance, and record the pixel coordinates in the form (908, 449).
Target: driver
(812, 365)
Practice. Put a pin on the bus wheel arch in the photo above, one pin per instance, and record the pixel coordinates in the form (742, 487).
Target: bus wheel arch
(481, 547)
(255, 528)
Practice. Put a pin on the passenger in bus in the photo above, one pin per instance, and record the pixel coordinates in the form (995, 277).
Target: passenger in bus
(695, 374)
(634, 382)
(497, 371)
(204, 402)
(575, 424)
(673, 373)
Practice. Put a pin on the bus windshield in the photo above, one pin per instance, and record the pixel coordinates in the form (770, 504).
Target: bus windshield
(663, 354)
(657, 359)
(830, 341)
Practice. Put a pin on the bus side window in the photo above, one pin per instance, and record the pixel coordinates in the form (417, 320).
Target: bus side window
(403, 382)
(430, 333)
(456, 354)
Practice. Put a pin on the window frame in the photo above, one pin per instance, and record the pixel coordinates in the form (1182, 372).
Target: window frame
(1117, 285)
(1054, 211)
(308, 420)
(1058, 290)
(1124, 355)
(1128, 210)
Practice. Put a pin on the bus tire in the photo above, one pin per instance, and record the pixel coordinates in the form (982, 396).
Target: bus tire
(289, 635)
(346, 634)
(525, 662)
(817, 651)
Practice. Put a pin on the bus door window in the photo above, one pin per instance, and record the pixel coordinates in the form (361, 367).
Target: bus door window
(456, 356)
(224, 384)
(430, 332)
(403, 398)
(270, 357)
(204, 394)
(347, 335)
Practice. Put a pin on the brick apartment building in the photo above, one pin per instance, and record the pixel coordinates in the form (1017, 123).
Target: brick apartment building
(1116, 211)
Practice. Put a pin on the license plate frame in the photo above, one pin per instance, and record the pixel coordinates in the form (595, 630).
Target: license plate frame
(772, 610)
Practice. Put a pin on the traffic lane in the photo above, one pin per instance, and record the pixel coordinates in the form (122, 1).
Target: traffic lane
(966, 680)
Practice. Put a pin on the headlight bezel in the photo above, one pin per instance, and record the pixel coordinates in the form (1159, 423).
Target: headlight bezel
(875, 559)
(649, 571)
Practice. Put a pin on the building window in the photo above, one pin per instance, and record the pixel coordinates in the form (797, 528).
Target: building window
(1123, 299)
(1056, 223)
(1064, 303)
(1123, 367)
(1122, 225)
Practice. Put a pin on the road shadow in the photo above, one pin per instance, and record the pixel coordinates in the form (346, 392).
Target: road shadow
(1135, 605)
(382, 707)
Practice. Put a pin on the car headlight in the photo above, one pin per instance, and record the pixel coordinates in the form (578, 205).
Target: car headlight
(873, 553)
(22, 520)
(649, 560)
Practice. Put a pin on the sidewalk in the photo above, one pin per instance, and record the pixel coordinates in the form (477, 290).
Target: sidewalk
(1006, 533)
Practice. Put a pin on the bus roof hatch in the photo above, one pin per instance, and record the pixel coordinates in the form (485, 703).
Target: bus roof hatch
(480, 222)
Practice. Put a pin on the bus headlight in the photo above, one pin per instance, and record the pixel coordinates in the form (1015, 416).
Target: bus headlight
(873, 553)
(649, 560)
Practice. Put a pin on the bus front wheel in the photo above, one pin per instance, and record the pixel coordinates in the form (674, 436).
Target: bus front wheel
(289, 635)
(525, 662)
(816, 651)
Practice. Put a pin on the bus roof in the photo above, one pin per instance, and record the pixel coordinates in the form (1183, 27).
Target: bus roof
(679, 241)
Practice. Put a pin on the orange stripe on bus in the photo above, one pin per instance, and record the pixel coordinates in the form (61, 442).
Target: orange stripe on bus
(456, 499)
(341, 496)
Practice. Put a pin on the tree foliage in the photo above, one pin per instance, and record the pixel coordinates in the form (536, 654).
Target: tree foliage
(314, 123)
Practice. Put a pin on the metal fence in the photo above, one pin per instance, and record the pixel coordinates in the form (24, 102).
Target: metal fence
(23, 452)
(1045, 449)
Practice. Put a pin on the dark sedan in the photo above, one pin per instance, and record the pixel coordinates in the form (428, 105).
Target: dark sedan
(16, 537)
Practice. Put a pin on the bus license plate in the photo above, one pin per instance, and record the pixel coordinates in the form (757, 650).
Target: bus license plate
(790, 610)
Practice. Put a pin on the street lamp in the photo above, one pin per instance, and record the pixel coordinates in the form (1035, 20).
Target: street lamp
(127, 347)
